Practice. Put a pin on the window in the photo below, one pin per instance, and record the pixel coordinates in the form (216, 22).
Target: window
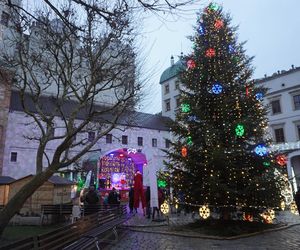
(279, 135)
(167, 89)
(167, 143)
(91, 136)
(276, 106)
(167, 105)
(154, 142)
(296, 99)
(177, 83)
(124, 139)
(140, 141)
(178, 102)
(4, 18)
(298, 129)
(109, 138)
(13, 156)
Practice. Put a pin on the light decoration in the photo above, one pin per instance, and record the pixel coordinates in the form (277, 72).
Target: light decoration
(164, 208)
(247, 217)
(231, 49)
(282, 205)
(185, 107)
(161, 183)
(210, 53)
(192, 118)
(213, 6)
(261, 150)
(189, 141)
(201, 30)
(204, 212)
(268, 216)
(219, 24)
(247, 91)
(132, 150)
(239, 130)
(191, 64)
(281, 160)
(294, 208)
(259, 96)
(217, 88)
(184, 151)
(266, 163)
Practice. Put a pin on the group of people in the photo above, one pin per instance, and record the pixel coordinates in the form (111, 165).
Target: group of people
(137, 194)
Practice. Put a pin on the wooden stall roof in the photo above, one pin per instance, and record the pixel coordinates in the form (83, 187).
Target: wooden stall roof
(6, 180)
(55, 180)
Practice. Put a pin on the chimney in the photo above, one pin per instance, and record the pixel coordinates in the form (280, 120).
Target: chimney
(181, 55)
(172, 60)
(293, 67)
(278, 72)
(265, 75)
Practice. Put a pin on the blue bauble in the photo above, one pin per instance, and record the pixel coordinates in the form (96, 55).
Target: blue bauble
(261, 150)
(259, 96)
(217, 88)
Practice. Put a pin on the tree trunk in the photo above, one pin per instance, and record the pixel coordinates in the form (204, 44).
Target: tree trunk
(18, 200)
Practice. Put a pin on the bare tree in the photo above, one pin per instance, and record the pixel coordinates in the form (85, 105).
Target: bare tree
(69, 59)
(63, 76)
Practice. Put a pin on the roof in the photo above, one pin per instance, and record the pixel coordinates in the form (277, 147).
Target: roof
(56, 180)
(6, 180)
(278, 74)
(172, 71)
(128, 118)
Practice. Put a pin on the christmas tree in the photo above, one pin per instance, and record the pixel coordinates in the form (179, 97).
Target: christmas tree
(220, 156)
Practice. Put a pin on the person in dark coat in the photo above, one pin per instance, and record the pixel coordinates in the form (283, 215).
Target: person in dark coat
(91, 198)
(131, 199)
(113, 198)
(297, 199)
(147, 195)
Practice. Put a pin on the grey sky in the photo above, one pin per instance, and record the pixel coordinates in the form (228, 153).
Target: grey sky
(270, 27)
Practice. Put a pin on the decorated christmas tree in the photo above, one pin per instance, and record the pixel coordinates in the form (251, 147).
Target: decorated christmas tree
(220, 157)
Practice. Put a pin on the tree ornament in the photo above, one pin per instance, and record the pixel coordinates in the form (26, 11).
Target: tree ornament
(247, 217)
(161, 183)
(213, 7)
(184, 151)
(189, 141)
(239, 130)
(282, 205)
(266, 163)
(191, 64)
(201, 30)
(294, 208)
(210, 53)
(259, 96)
(247, 91)
(164, 208)
(231, 49)
(185, 107)
(192, 118)
(217, 88)
(219, 24)
(281, 160)
(260, 150)
(204, 212)
(268, 216)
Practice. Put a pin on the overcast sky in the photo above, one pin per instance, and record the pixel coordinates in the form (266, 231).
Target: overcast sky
(270, 27)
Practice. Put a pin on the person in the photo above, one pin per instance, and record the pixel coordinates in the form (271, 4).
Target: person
(148, 195)
(138, 191)
(113, 197)
(130, 196)
(92, 198)
(297, 199)
(161, 198)
(105, 200)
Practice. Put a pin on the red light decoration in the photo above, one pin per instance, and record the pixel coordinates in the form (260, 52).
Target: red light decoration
(219, 24)
(210, 53)
(247, 91)
(121, 155)
(184, 151)
(281, 160)
(191, 64)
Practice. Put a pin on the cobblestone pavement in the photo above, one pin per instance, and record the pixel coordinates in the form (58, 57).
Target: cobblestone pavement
(140, 233)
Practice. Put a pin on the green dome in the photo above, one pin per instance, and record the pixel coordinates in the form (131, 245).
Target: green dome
(172, 71)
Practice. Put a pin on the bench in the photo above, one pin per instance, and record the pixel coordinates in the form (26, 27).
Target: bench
(72, 235)
(59, 209)
(105, 223)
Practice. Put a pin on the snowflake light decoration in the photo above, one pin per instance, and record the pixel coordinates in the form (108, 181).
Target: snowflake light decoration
(259, 96)
(217, 88)
(281, 160)
(219, 24)
(201, 30)
(191, 64)
(210, 53)
(164, 208)
(239, 130)
(204, 212)
(261, 150)
(185, 107)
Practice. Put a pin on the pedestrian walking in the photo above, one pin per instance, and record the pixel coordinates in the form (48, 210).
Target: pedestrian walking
(148, 195)
(131, 199)
(113, 197)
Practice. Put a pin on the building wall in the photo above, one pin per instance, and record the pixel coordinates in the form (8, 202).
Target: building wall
(20, 126)
(172, 96)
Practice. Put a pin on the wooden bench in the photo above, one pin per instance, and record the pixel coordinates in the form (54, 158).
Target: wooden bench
(81, 233)
(59, 209)
(105, 223)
